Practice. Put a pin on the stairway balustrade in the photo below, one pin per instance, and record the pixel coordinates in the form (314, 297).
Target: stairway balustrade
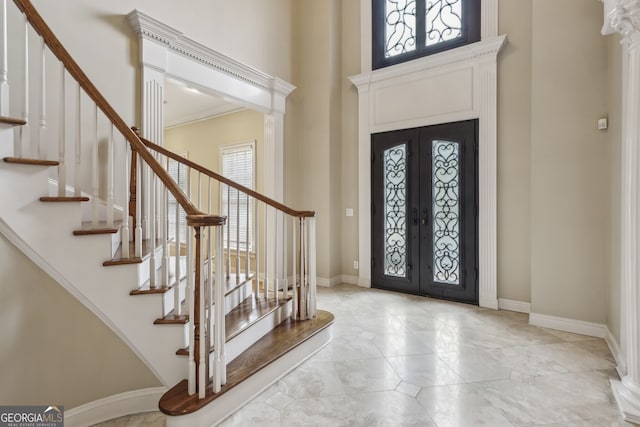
(126, 178)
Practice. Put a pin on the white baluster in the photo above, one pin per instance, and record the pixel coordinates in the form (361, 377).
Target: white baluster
(164, 235)
(202, 368)
(191, 303)
(275, 254)
(266, 251)
(303, 273)
(62, 178)
(152, 230)
(237, 236)
(42, 153)
(138, 231)
(228, 258)
(78, 168)
(294, 311)
(285, 290)
(257, 249)
(4, 62)
(312, 268)
(24, 130)
(247, 239)
(124, 237)
(177, 270)
(110, 173)
(95, 174)
(220, 372)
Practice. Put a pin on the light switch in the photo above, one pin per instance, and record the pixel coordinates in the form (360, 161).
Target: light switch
(349, 211)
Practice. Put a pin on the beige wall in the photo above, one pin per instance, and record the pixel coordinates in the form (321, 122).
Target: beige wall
(514, 152)
(318, 105)
(614, 89)
(349, 184)
(54, 350)
(201, 141)
(570, 166)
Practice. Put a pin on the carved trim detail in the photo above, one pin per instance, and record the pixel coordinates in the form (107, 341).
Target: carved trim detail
(625, 18)
(150, 28)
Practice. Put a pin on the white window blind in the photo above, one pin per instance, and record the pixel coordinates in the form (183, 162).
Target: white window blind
(238, 164)
(179, 173)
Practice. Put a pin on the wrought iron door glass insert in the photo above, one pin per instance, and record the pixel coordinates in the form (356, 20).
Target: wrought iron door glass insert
(395, 211)
(446, 212)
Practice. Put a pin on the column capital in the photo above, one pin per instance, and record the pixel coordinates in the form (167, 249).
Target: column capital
(624, 17)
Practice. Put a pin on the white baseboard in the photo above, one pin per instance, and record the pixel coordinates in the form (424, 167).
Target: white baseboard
(351, 280)
(512, 305)
(614, 347)
(363, 282)
(491, 303)
(328, 282)
(118, 405)
(568, 325)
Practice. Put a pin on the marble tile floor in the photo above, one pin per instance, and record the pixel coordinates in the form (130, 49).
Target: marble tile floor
(402, 360)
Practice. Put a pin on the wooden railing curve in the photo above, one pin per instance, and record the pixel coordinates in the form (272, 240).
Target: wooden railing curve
(227, 181)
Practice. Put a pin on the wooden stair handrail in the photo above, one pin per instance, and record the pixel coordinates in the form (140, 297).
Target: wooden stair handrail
(227, 181)
(38, 24)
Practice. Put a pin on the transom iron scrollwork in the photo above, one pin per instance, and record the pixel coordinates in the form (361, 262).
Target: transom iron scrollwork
(446, 216)
(443, 21)
(395, 211)
(400, 31)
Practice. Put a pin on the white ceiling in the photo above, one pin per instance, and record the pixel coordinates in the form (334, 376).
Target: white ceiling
(183, 105)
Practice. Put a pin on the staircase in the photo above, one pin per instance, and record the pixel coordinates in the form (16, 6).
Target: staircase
(216, 317)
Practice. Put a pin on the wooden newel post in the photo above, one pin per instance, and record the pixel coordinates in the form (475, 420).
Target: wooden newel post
(202, 366)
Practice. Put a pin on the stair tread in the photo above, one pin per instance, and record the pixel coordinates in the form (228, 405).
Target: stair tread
(64, 199)
(119, 260)
(279, 341)
(244, 315)
(27, 161)
(101, 227)
(12, 121)
(231, 284)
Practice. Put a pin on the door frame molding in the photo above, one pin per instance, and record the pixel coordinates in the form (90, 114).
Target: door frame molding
(464, 82)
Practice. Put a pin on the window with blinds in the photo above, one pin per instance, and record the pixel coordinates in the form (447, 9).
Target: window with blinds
(238, 164)
(179, 173)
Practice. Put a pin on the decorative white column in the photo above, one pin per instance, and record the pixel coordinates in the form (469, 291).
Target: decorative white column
(623, 16)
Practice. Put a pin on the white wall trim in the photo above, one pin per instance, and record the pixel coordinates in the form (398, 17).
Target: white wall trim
(581, 327)
(614, 347)
(329, 282)
(472, 71)
(623, 16)
(118, 405)
(349, 279)
(513, 305)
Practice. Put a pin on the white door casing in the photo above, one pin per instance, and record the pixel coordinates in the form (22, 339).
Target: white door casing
(454, 85)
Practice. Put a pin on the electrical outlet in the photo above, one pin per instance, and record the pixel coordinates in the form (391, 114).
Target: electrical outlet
(355, 265)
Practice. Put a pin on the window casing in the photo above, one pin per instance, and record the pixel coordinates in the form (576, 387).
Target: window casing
(238, 164)
(409, 29)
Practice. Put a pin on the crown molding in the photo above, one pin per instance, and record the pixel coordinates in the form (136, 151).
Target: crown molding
(150, 28)
(475, 51)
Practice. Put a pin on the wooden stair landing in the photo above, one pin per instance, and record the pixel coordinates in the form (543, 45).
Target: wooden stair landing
(281, 340)
(244, 315)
